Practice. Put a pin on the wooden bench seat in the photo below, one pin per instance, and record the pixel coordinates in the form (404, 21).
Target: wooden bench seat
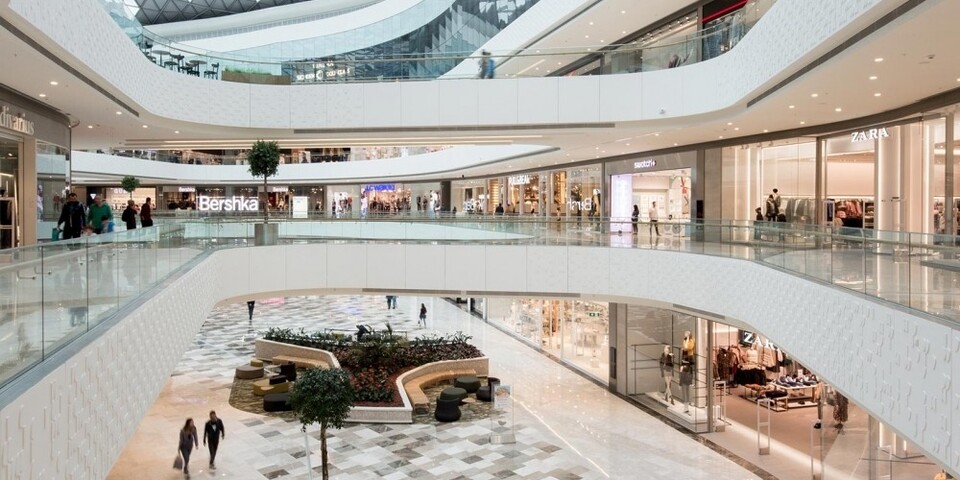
(300, 362)
(414, 386)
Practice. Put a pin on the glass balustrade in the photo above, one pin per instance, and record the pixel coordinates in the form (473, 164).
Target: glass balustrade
(378, 65)
(56, 292)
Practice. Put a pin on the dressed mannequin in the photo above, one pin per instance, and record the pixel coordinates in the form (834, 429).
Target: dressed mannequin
(686, 380)
(689, 346)
(666, 372)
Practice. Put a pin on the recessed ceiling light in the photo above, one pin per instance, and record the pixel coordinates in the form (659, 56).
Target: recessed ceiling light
(838, 109)
(729, 123)
(628, 144)
(876, 94)
(622, 12)
(736, 129)
(624, 32)
(586, 36)
(792, 107)
(878, 59)
(591, 23)
(721, 136)
(874, 77)
(802, 122)
(119, 112)
(675, 144)
(43, 95)
(814, 95)
(54, 83)
(765, 130)
(144, 126)
(89, 126)
(177, 132)
(958, 79)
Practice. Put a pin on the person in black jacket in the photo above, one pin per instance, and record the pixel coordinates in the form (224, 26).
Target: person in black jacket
(129, 216)
(212, 433)
(72, 218)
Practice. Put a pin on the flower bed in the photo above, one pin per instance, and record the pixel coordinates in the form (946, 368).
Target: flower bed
(375, 361)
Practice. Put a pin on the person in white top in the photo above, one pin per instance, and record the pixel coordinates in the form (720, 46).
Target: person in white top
(654, 215)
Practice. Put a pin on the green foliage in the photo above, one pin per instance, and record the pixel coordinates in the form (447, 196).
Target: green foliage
(129, 184)
(264, 158)
(373, 385)
(323, 396)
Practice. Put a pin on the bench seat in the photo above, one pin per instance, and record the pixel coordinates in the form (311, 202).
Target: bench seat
(301, 362)
(414, 386)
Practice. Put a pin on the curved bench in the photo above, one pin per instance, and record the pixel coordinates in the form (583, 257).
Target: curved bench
(414, 386)
(300, 362)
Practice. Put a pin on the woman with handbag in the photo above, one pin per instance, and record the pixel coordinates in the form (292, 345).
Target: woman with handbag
(188, 440)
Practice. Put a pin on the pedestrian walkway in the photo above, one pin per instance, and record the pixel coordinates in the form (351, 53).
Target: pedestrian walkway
(567, 427)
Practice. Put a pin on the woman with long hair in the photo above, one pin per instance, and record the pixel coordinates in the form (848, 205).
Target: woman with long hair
(188, 440)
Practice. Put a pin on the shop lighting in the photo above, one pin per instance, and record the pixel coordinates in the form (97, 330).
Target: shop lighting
(144, 126)
(43, 95)
(89, 126)
(878, 59)
(802, 122)
(791, 107)
(176, 132)
(54, 83)
(874, 77)
(119, 112)
(838, 109)
(876, 94)
(814, 95)
(736, 129)
(729, 123)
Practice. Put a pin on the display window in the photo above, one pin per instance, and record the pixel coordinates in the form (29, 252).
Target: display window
(470, 197)
(523, 195)
(662, 196)
(117, 198)
(9, 208)
(314, 196)
(576, 332)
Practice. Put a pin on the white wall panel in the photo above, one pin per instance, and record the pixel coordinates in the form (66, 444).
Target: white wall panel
(620, 97)
(388, 260)
(587, 269)
(263, 106)
(344, 106)
(662, 90)
(420, 103)
(305, 265)
(700, 91)
(382, 107)
(547, 269)
(498, 101)
(308, 106)
(579, 99)
(506, 268)
(458, 102)
(537, 100)
(346, 266)
(425, 267)
(464, 269)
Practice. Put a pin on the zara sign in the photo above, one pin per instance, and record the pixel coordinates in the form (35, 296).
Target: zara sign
(871, 134)
(232, 204)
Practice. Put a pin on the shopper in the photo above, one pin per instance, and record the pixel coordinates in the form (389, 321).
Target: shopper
(635, 219)
(100, 215)
(129, 215)
(250, 305)
(654, 215)
(393, 301)
(776, 199)
(770, 207)
(423, 316)
(499, 209)
(188, 440)
(72, 218)
(389, 302)
(212, 432)
(146, 214)
(757, 232)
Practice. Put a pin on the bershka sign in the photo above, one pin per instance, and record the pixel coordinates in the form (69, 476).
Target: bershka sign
(232, 204)
(871, 134)
(648, 163)
(13, 122)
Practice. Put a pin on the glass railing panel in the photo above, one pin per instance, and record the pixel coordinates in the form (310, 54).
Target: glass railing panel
(103, 277)
(64, 284)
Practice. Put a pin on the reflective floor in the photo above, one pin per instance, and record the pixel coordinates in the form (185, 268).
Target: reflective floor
(567, 427)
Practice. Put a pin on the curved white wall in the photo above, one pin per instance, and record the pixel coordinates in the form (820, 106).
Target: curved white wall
(897, 365)
(414, 167)
(790, 34)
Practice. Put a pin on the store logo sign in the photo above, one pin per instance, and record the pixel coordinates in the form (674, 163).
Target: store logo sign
(648, 163)
(520, 180)
(16, 123)
(871, 134)
(232, 204)
(186, 189)
(585, 204)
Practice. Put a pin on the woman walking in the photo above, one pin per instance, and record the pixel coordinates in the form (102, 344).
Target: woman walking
(188, 440)
(423, 316)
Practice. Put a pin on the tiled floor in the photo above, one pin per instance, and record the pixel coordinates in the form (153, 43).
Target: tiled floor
(566, 426)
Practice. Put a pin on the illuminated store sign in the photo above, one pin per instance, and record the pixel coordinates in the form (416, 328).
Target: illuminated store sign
(232, 204)
(187, 189)
(519, 180)
(279, 189)
(323, 71)
(380, 187)
(871, 134)
(585, 204)
(13, 122)
(648, 163)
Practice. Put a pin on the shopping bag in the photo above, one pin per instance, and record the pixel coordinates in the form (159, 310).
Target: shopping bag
(110, 226)
(178, 462)
(55, 234)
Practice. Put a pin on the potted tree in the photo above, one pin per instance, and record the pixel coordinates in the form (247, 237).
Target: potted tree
(264, 159)
(324, 397)
(129, 184)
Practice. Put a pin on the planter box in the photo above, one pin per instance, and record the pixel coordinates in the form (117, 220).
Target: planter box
(260, 78)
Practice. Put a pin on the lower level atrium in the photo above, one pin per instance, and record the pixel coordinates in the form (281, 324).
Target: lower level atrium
(567, 424)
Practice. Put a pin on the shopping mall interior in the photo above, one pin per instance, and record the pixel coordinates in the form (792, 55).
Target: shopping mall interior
(538, 239)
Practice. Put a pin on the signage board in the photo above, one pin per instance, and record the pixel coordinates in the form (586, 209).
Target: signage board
(17, 123)
(869, 134)
(644, 164)
(231, 204)
(519, 180)
(301, 207)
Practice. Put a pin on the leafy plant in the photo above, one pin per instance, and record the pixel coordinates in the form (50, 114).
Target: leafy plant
(264, 158)
(324, 397)
(372, 385)
(129, 184)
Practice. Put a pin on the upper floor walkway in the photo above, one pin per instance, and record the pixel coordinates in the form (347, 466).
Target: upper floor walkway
(883, 302)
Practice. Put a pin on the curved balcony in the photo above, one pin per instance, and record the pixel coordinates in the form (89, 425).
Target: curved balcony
(880, 301)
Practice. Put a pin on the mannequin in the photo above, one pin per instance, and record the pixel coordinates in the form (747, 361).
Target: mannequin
(686, 380)
(689, 346)
(666, 372)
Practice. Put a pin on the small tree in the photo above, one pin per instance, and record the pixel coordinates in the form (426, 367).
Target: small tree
(264, 158)
(129, 184)
(324, 397)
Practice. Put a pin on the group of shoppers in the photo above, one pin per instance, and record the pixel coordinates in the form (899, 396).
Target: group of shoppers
(213, 432)
(76, 219)
(653, 215)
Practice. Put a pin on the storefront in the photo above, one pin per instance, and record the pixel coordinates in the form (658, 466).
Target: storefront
(890, 176)
(574, 331)
(664, 184)
(472, 197)
(117, 198)
(34, 169)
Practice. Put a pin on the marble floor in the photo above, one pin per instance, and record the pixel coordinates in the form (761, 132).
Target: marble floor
(566, 426)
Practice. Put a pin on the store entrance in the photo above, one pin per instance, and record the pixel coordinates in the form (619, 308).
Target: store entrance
(665, 192)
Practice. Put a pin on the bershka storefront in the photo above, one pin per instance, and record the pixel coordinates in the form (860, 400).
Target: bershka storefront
(665, 184)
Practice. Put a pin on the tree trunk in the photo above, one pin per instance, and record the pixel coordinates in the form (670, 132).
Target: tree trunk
(266, 202)
(323, 451)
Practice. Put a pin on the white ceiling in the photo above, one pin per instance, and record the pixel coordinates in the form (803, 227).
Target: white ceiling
(906, 74)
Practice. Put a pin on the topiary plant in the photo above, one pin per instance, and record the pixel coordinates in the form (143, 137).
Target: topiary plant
(264, 158)
(324, 397)
(129, 184)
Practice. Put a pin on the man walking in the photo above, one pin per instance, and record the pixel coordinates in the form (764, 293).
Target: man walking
(250, 305)
(212, 432)
(654, 215)
(72, 218)
(100, 215)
